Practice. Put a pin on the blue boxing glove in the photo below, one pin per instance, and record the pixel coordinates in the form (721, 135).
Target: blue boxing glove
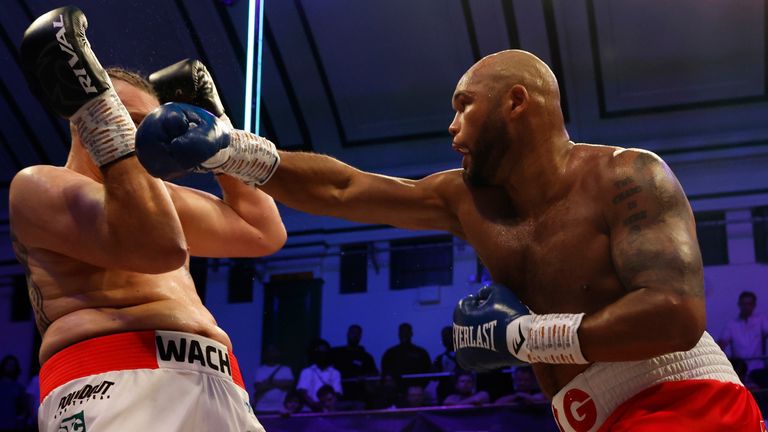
(493, 329)
(177, 138)
(480, 328)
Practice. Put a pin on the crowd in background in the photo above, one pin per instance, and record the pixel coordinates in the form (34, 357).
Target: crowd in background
(345, 378)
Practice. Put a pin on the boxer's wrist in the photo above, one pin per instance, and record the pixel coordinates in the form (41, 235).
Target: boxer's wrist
(547, 338)
(105, 128)
(250, 158)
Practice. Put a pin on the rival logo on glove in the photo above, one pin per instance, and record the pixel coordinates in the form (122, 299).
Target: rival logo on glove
(480, 336)
(81, 74)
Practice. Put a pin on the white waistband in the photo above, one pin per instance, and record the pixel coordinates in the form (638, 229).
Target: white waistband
(593, 394)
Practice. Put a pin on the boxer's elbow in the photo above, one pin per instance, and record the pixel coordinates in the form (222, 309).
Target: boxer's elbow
(156, 257)
(275, 239)
(176, 255)
(168, 261)
(687, 323)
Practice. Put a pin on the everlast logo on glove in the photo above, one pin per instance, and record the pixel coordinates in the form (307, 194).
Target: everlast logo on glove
(81, 74)
(480, 336)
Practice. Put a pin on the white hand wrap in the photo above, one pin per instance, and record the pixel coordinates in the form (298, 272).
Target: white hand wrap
(548, 338)
(251, 158)
(105, 128)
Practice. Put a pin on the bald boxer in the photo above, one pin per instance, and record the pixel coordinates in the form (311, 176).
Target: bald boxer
(593, 250)
(126, 342)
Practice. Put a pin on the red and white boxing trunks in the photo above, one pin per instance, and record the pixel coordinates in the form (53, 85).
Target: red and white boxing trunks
(695, 390)
(144, 381)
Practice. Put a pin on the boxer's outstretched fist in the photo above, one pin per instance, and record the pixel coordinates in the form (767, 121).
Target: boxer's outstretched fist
(187, 81)
(177, 138)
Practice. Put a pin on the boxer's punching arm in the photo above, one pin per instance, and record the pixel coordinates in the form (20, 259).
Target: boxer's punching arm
(657, 258)
(178, 138)
(245, 223)
(321, 185)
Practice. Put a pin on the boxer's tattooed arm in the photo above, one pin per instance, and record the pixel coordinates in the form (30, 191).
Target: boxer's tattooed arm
(652, 230)
(35, 296)
(626, 198)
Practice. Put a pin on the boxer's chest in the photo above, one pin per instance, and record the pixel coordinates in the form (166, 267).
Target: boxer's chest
(558, 261)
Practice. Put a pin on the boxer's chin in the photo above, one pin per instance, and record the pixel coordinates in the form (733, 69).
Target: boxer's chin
(474, 177)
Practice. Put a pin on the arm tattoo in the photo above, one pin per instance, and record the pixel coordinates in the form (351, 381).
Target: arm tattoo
(35, 296)
(627, 189)
(656, 249)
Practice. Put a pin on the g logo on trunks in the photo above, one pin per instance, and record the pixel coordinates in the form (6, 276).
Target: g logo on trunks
(580, 410)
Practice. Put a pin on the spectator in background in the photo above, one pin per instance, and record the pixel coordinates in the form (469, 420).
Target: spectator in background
(465, 391)
(327, 398)
(526, 389)
(293, 403)
(14, 409)
(352, 361)
(406, 358)
(445, 362)
(744, 337)
(415, 397)
(740, 366)
(385, 394)
(33, 401)
(271, 383)
(320, 373)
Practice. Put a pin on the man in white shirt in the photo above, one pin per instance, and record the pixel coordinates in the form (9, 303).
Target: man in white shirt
(320, 373)
(272, 382)
(744, 337)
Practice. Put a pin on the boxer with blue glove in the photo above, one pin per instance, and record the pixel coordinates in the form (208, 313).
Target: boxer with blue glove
(599, 241)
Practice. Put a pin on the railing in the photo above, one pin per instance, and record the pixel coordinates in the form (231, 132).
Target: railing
(509, 418)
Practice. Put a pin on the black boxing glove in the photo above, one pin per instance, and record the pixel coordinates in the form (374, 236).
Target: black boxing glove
(187, 81)
(63, 72)
(58, 62)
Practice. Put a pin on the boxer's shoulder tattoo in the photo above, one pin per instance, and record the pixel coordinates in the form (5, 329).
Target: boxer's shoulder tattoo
(625, 201)
(35, 295)
(649, 203)
(643, 195)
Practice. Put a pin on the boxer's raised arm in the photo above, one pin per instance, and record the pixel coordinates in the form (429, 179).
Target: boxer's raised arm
(245, 223)
(61, 211)
(321, 185)
(657, 258)
(128, 222)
